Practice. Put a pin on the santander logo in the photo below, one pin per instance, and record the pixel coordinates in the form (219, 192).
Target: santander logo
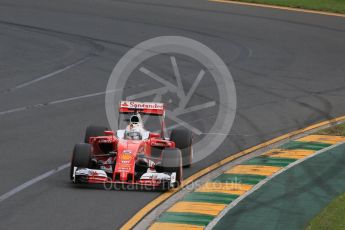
(141, 105)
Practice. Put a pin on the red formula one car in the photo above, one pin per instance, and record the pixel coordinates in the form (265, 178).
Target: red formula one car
(133, 155)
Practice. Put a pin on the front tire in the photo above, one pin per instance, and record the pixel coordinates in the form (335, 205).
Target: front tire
(81, 157)
(172, 162)
(183, 139)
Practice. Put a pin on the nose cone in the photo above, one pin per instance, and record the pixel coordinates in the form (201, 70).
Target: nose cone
(125, 163)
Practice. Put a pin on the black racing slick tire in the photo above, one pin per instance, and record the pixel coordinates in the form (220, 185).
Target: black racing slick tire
(81, 157)
(183, 139)
(172, 162)
(94, 131)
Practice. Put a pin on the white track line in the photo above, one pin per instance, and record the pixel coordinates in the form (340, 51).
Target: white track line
(213, 223)
(50, 74)
(51, 103)
(32, 181)
(76, 98)
(53, 171)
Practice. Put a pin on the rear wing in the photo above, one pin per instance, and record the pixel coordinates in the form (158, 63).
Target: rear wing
(152, 108)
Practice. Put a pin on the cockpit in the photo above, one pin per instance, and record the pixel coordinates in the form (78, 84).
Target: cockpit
(133, 135)
(134, 130)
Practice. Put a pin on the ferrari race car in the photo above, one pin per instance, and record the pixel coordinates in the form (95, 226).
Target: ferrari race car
(133, 155)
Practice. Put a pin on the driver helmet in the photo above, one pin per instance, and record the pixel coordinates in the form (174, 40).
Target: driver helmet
(135, 119)
(133, 134)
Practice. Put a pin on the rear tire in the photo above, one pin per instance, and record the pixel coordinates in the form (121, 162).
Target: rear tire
(94, 131)
(172, 162)
(81, 157)
(183, 139)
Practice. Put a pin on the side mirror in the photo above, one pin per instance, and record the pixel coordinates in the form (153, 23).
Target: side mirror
(154, 135)
(109, 133)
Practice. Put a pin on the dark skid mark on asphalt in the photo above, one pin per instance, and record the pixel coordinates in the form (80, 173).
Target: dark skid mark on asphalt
(232, 13)
(242, 47)
(243, 54)
(324, 114)
(59, 33)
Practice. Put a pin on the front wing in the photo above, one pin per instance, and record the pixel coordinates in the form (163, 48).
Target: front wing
(150, 179)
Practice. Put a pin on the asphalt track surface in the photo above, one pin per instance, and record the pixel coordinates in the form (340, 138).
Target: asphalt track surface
(288, 69)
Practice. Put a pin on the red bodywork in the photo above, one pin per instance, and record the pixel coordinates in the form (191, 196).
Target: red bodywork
(127, 151)
(126, 156)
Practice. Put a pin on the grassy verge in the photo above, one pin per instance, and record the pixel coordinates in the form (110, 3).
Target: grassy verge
(338, 130)
(337, 6)
(332, 217)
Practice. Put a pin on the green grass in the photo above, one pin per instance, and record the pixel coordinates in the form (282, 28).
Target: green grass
(338, 130)
(332, 217)
(337, 6)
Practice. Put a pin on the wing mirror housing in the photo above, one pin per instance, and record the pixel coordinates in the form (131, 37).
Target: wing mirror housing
(155, 135)
(109, 133)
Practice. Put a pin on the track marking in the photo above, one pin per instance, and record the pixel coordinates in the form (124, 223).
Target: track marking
(76, 98)
(235, 181)
(197, 207)
(32, 181)
(161, 226)
(51, 103)
(131, 223)
(289, 153)
(226, 188)
(261, 183)
(253, 170)
(53, 171)
(52, 74)
(322, 139)
(280, 8)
